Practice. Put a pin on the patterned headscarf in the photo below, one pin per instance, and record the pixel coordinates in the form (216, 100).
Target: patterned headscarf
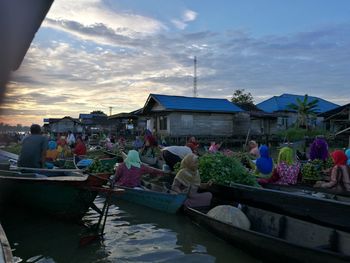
(319, 149)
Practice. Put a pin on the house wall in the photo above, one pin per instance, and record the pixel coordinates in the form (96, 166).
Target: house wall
(66, 125)
(197, 124)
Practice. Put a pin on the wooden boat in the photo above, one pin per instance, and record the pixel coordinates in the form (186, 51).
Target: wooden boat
(162, 201)
(5, 249)
(279, 238)
(320, 210)
(68, 196)
(302, 188)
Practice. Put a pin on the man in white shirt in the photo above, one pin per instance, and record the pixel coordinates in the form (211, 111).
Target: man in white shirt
(70, 139)
(174, 154)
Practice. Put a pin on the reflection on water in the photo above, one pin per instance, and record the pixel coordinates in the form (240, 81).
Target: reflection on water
(133, 234)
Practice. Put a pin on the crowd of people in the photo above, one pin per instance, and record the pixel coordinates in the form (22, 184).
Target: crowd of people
(37, 150)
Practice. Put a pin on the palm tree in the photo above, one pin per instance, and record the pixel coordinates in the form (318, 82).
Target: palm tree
(305, 110)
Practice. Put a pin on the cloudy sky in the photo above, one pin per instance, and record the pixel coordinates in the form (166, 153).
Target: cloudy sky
(93, 54)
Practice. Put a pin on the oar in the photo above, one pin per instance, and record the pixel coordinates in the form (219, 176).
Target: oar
(99, 234)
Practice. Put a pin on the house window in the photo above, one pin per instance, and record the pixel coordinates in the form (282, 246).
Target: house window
(163, 123)
(187, 121)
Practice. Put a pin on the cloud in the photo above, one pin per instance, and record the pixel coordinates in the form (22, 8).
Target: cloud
(187, 16)
(95, 67)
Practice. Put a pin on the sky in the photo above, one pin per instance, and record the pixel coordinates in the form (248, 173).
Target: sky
(95, 54)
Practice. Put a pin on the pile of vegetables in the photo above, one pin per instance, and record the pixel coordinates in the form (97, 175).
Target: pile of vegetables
(224, 170)
(245, 159)
(98, 167)
(313, 170)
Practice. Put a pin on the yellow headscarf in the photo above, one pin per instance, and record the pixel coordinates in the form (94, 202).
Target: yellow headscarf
(189, 174)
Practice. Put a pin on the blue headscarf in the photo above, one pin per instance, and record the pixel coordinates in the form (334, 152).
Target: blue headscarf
(347, 153)
(52, 145)
(264, 163)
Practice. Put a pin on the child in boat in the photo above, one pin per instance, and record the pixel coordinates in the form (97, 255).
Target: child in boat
(187, 180)
(129, 173)
(264, 164)
(339, 174)
(51, 153)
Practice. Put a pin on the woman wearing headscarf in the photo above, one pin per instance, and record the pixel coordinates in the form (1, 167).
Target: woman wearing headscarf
(148, 153)
(130, 172)
(264, 163)
(52, 153)
(319, 149)
(339, 174)
(287, 169)
(188, 180)
(347, 153)
(253, 149)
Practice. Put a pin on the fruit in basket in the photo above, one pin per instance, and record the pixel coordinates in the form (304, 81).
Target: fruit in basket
(310, 171)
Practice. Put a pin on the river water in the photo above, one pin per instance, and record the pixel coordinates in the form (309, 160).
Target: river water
(133, 234)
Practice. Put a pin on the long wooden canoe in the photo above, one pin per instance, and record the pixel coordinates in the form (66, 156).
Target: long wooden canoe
(67, 196)
(301, 188)
(165, 202)
(5, 249)
(279, 238)
(308, 207)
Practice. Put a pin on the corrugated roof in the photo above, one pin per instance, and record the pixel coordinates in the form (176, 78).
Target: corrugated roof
(195, 104)
(280, 103)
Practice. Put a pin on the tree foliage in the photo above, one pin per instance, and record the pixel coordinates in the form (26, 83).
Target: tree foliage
(241, 97)
(97, 112)
(306, 109)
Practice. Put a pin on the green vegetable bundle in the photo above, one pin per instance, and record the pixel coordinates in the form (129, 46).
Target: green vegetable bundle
(313, 170)
(224, 170)
(98, 167)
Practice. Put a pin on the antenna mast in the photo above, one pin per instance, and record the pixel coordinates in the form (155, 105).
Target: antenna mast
(195, 77)
(110, 111)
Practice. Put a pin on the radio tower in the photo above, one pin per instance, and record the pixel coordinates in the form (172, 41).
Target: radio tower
(195, 77)
(110, 111)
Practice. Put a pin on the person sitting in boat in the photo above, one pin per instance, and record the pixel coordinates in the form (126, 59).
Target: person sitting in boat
(79, 149)
(347, 153)
(148, 153)
(138, 143)
(339, 178)
(319, 149)
(129, 173)
(33, 151)
(51, 153)
(174, 154)
(264, 164)
(286, 171)
(253, 149)
(71, 139)
(193, 144)
(214, 147)
(188, 180)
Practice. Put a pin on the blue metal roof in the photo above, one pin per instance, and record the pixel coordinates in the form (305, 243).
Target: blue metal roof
(85, 116)
(195, 104)
(280, 103)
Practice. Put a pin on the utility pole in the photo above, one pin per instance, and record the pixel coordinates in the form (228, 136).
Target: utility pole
(110, 111)
(195, 77)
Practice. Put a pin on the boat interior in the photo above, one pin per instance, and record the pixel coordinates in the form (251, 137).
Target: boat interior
(295, 231)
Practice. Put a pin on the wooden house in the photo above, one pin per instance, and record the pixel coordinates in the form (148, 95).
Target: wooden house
(128, 123)
(63, 125)
(337, 121)
(287, 117)
(177, 116)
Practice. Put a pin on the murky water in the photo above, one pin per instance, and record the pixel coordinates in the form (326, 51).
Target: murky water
(133, 234)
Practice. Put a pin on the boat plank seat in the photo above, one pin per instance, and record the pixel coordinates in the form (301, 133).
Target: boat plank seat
(292, 229)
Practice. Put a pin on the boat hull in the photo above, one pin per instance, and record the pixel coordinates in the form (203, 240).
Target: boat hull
(5, 249)
(165, 202)
(269, 248)
(64, 198)
(327, 212)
